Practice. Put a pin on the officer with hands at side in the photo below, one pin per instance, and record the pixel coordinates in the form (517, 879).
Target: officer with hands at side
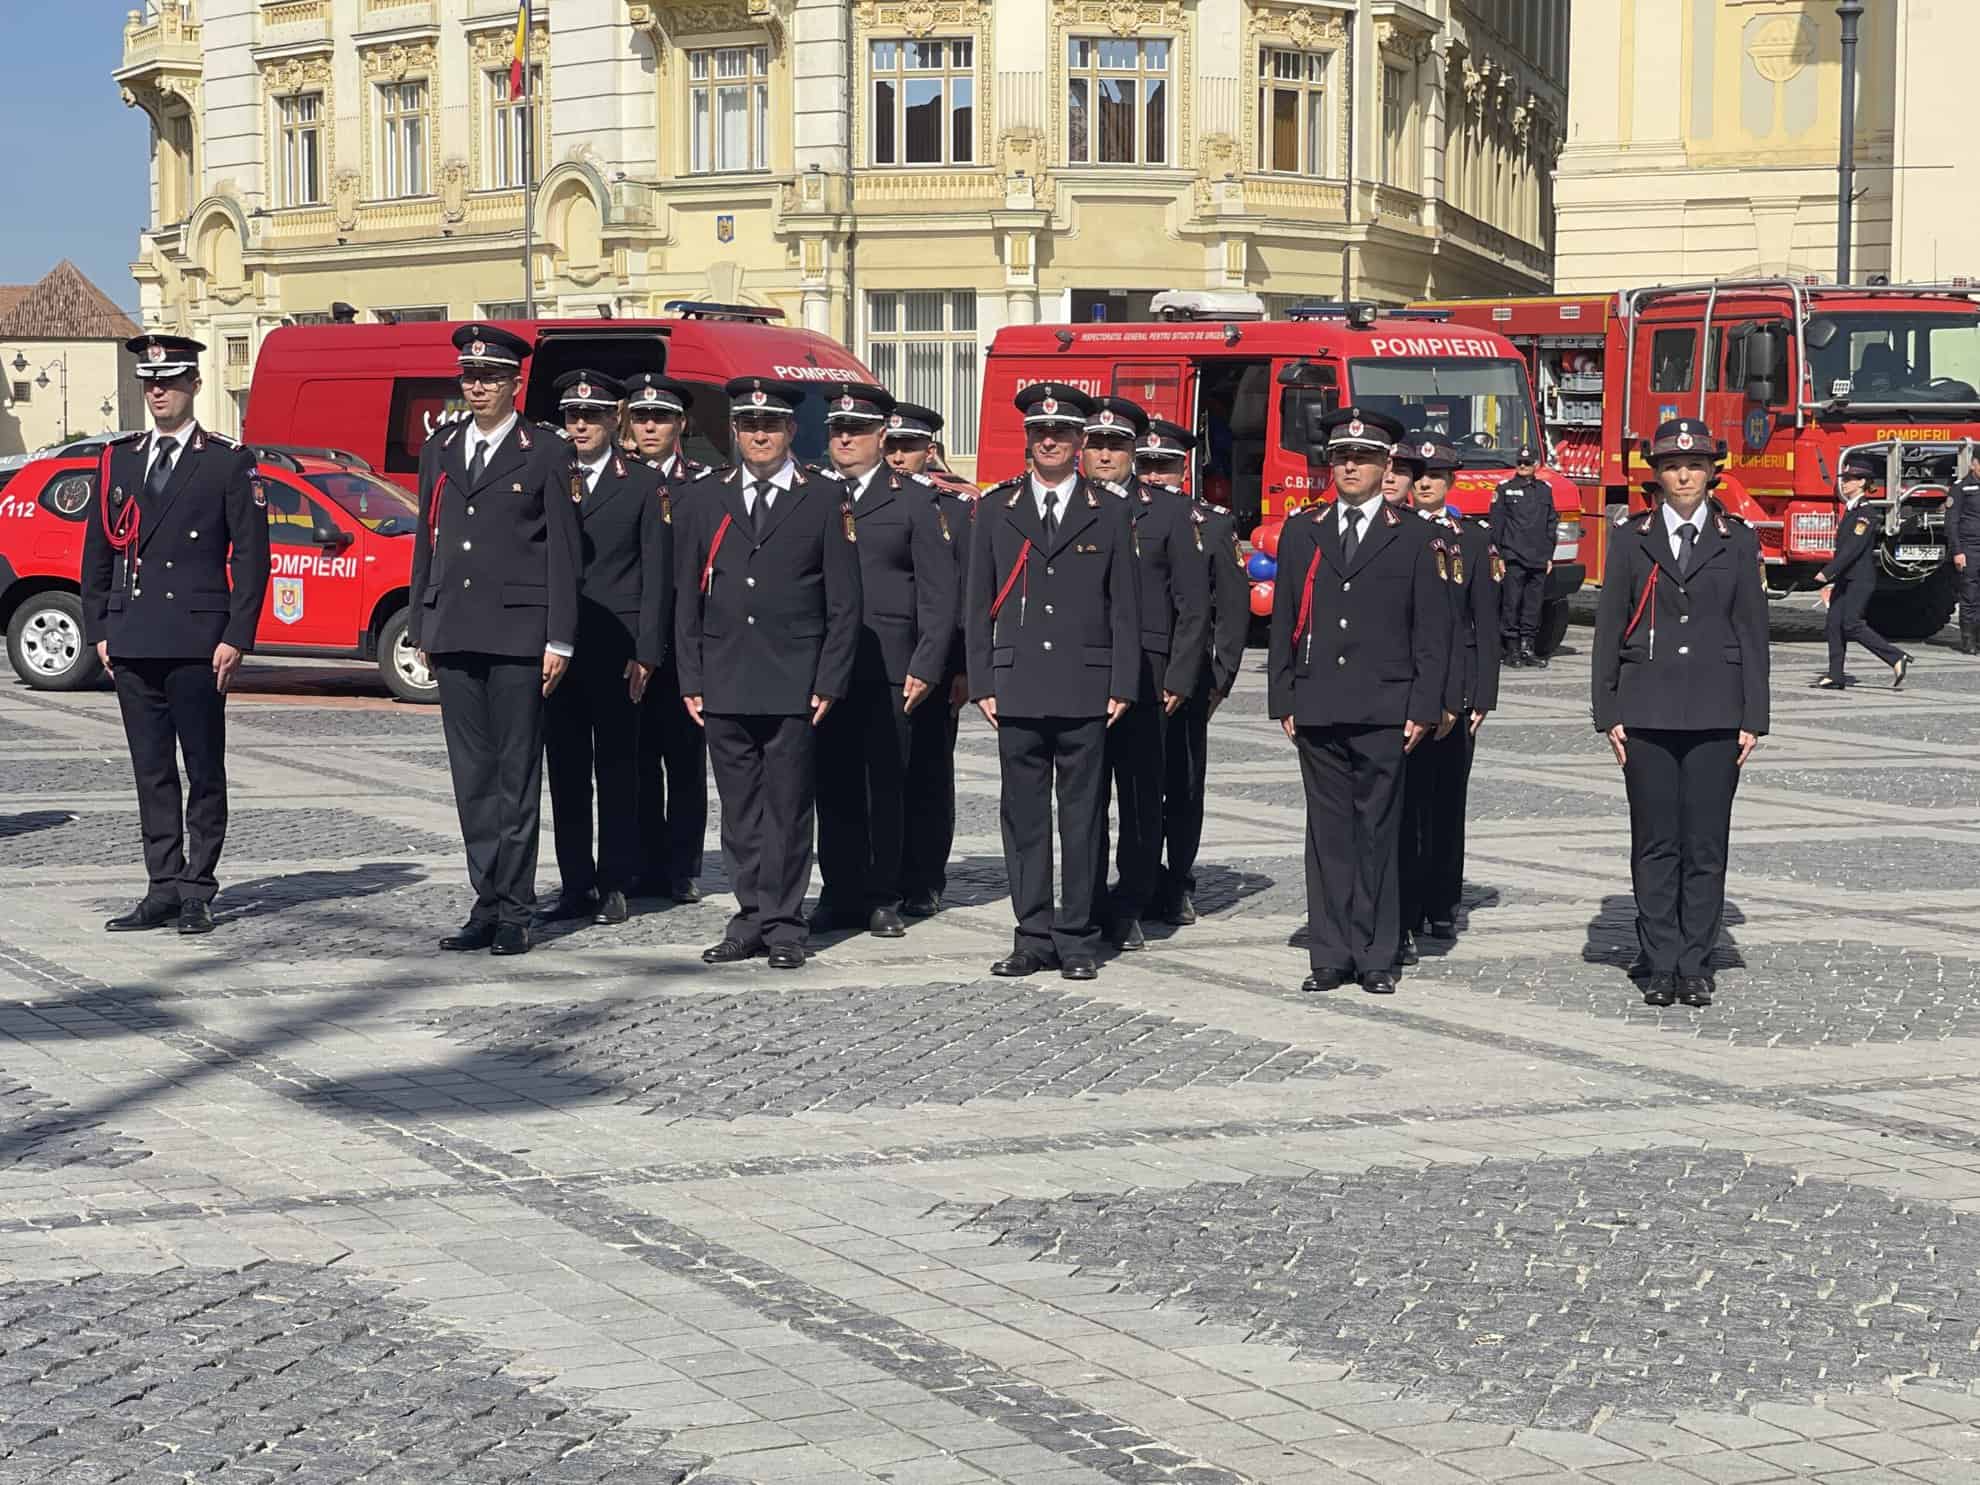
(767, 624)
(1525, 528)
(494, 612)
(909, 591)
(1053, 662)
(1361, 630)
(1963, 541)
(625, 624)
(179, 514)
(1680, 689)
(1849, 579)
(673, 753)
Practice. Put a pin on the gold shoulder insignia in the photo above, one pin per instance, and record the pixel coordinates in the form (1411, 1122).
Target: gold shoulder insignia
(846, 518)
(577, 487)
(942, 519)
(1862, 528)
(666, 507)
(1498, 564)
(1457, 565)
(1443, 567)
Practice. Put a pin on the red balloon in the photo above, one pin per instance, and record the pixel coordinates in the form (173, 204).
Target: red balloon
(1257, 538)
(1268, 542)
(1261, 599)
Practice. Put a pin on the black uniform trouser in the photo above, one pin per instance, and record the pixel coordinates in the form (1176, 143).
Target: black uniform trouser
(1041, 756)
(1969, 587)
(1137, 772)
(590, 729)
(1681, 787)
(1186, 767)
(931, 796)
(1845, 625)
(672, 769)
(171, 707)
(491, 710)
(863, 748)
(764, 774)
(1519, 605)
(1353, 777)
(1436, 778)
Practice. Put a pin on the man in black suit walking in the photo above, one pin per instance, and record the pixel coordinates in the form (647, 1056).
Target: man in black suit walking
(179, 514)
(495, 588)
(766, 625)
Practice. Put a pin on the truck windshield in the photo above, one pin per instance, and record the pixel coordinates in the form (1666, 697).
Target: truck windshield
(1483, 407)
(374, 503)
(1881, 356)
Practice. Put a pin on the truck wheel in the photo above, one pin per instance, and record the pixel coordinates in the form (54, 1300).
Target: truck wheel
(45, 642)
(1553, 627)
(399, 663)
(1916, 612)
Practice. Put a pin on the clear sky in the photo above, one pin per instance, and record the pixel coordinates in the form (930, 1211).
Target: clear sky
(74, 167)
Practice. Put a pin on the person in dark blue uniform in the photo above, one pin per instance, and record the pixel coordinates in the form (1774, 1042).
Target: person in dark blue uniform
(1173, 583)
(1054, 658)
(1680, 688)
(908, 585)
(1525, 527)
(625, 624)
(673, 752)
(1849, 579)
(1161, 460)
(1361, 632)
(767, 627)
(494, 612)
(175, 564)
(1963, 541)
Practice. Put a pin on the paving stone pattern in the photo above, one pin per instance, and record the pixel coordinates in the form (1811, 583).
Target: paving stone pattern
(42, 1133)
(89, 774)
(338, 724)
(111, 838)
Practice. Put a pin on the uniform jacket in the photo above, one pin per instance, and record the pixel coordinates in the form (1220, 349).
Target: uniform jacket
(209, 524)
(680, 471)
(1524, 523)
(1173, 584)
(1855, 557)
(1067, 639)
(1230, 597)
(1963, 515)
(958, 514)
(773, 620)
(1696, 659)
(1475, 578)
(626, 544)
(907, 573)
(1376, 646)
(502, 578)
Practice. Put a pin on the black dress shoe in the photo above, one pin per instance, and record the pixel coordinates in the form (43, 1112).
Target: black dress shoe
(828, 919)
(151, 912)
(1406, 950)
(195, 916)
(1379, 982)
(730, 951)
(1898, 668)
(684, 889)
(1080, 967)
(1826, 683)
(1325, 979)
(1660, 990)
(1533, 661)
(573, 905)
(473, 934)
(612, 909)
(1443, 928)
(1020, 964)
(510, 938)
(1695, 990)
(886, 923)
(786, 956)
(1128, 937)
(1179, 911)
(922, 905)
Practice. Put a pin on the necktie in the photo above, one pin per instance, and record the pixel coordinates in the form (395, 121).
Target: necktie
(479, 462)
(1051, 516)
(761, 508)
(161, 469)
(1687, 538)
(591, 479)
(1352, 538)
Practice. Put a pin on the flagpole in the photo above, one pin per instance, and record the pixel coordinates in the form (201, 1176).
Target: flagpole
(529, 175)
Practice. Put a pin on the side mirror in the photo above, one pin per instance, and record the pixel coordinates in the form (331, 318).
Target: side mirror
(1763, 354)
(333, 538)
(1819, 332)
(1759, 389)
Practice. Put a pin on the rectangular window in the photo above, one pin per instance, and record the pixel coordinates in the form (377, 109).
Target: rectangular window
(923, 344)
(402, 139)
(1671, 355)
(729, 108)
(413, 315)
(237, 352)
(23, 391)
(1117, 102)
(1292, 111)
(511, 146)
(504, 309)
(1395, 117)
(301, 153)
(924, 102)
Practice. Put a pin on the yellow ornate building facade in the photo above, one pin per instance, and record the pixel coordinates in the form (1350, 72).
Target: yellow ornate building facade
(906, 175)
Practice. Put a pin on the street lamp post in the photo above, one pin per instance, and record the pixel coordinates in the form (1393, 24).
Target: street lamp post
(41, 380)
(1850, 12)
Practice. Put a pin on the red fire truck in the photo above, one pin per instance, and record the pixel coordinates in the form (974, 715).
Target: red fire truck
(1215, 364)
(1792, 375)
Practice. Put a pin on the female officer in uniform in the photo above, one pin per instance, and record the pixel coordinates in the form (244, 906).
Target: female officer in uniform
(1680, 690)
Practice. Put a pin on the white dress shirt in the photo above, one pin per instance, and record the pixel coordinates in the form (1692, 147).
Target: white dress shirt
(181, 437)
(592, 471)
(863, 483)
(780, 481)
(1368, 508)
(1063, 490)
(1672, 520)
(489, 441)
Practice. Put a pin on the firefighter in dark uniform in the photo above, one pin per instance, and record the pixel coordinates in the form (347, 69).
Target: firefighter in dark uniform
(1525, 527)
(1680, 690)
(1963, 541)
(1173, 581)
(767, 622)
(1054, 656)
(625, 623)
(908, 588)
(1161, 459)
(494, 611)
(931, 785)
(175, 563)
(1361, 630)
(1849, 579)
(1437, 776)
(673, 753)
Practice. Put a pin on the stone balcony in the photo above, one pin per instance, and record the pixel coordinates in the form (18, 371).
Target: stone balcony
(159, 46)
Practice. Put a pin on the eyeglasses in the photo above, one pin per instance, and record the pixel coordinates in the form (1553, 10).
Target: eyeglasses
(484, 378)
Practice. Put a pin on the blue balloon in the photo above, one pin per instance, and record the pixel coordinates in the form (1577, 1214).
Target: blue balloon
(1262, 568)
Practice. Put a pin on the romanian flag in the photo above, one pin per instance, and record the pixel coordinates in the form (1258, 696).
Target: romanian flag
(520, 50)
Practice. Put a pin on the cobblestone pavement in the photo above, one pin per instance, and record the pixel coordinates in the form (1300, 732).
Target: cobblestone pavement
(308, 1200)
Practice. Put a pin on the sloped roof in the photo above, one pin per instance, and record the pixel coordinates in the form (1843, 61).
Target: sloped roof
(65, 305)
